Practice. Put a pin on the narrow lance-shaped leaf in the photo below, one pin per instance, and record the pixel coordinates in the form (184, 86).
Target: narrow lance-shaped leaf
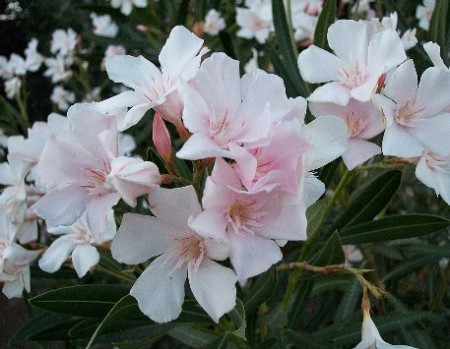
(439, 27)
(369, 200)
(326, 18)
(284, 37)
(393, 228)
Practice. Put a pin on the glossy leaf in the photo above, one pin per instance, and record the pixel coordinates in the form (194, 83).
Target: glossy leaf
(439, 27)
(369, 200)
(393, 228)
(326, 18)
(192, 336)
(285, 40)
(261, 289)
(83, 300)
(237, 316)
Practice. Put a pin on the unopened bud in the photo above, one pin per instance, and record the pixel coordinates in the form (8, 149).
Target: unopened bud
(161, 138)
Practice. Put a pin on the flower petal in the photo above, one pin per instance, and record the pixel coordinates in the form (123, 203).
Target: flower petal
(84, 257)
(213, 287)
(160, 290)
(56, 254)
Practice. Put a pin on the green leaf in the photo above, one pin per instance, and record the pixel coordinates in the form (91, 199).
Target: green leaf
(326, 18)
(261, 289)
(300, 301)
(192, 336)
(237, 316)
(410, 266)
(439, 27)
(82, 300)
(307, 340)
(349, 332)
(286, 42)
(393, 228)
(369, 200)
(314, 215)
(331, 253)
(125, 308)
(45, 326)
(220, 343)
(349, 302)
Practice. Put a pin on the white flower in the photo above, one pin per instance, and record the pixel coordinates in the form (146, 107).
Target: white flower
(12, 87)
(371, 338)
(56, 69)
(127, 5)
(33, 59)
(77, 240)
(182, 252)
(63, 41)
(409, 38)
(17, 64)
(14, 260)
(256, 21)
(113, 50)
(433, 170)
(425, 12)
(214, 22)
(252, 64)
(104, 26)
(154, 88)
(62, 98)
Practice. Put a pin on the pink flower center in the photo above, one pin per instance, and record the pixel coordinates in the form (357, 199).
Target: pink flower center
(189, 249)
(223, 129)
(95, 182)
(245, 215)
(406, 115)
(355, 124)
(437, 162)
(352, 76)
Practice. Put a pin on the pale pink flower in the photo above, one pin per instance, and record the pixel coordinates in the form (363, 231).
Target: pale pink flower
(104, 25)
(425, 12)
(12, 87)
(249, 221)
(154, 88)
(305, 26)
(17, 64)
(182, 252)
(115, 50)
(433, 170)
(363, 120)
(126, 6)
(33, 59)
(91, 174)
(62, 98)
(223, 109)
(6, 71)
(14, 260)
(78, 241)
(63, 41)
(214, 22)
(433, 51)
(256, 21)
(252, 64)
(415, 113)
(358, 63)
(57, 69)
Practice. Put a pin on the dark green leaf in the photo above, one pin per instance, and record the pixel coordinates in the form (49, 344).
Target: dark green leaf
(83, 300)
(349, 302)
(439, 27)
(191, 336)
(369, 200)
(307, 340)
(261, 289)
(220, 343)
(300, 301)
(410, 266)
(326, 18)
(393, 227)
(314, 215)
(286, 42)
(237, 316)
(331, 253)
(45, 326)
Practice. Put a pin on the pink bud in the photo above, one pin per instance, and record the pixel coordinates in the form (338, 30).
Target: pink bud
(161, 138)
(142, 28)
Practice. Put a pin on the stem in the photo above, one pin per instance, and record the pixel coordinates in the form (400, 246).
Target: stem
(311, 241)
(24, 120)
